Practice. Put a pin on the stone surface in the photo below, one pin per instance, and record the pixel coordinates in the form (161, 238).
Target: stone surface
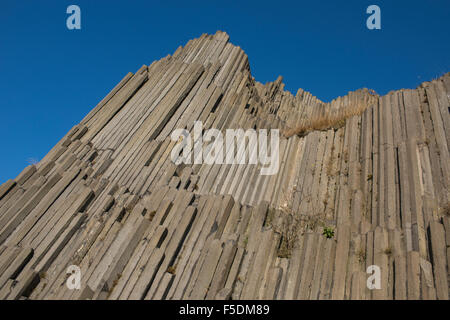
(369, 188)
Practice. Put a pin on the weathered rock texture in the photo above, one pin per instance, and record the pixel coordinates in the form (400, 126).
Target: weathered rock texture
(108, 198)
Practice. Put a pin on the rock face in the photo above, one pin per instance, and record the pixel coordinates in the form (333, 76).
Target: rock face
(362, 181)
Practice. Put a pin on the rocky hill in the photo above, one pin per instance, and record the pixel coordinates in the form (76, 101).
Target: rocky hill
(362, 181)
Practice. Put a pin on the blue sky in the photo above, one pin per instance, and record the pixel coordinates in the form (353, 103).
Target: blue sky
(50, 77)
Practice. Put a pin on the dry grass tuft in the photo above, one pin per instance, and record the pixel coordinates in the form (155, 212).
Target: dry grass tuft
(171, 269)
(328, 121)
(294, 225)
(361, 254)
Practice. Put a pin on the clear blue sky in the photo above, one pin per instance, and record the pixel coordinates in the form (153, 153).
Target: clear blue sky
(50, 77)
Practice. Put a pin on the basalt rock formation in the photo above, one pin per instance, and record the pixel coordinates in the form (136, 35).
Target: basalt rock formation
(362, 181)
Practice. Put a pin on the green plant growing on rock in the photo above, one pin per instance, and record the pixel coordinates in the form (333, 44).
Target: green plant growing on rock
(328, 232)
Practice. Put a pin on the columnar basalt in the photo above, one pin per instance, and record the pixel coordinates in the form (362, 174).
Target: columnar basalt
(362, 181)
